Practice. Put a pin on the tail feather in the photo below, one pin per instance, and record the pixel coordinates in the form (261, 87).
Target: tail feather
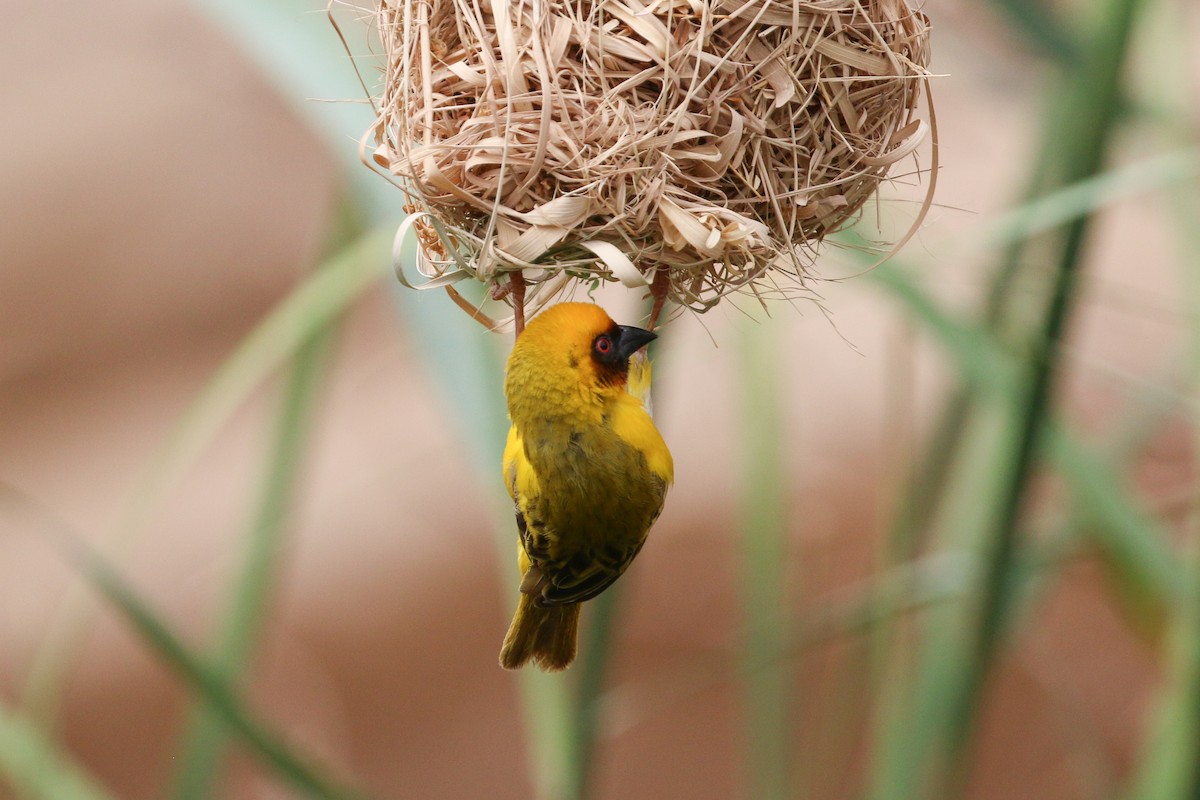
(545, 636)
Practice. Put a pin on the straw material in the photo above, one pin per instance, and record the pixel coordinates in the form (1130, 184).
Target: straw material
(572, 139)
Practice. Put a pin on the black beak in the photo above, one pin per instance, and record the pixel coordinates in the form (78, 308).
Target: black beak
(633, 339)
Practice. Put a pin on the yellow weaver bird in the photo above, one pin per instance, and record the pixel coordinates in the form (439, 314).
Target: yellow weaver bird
(585, 466)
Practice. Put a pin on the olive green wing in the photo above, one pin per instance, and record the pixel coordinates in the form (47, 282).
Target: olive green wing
(590, 571)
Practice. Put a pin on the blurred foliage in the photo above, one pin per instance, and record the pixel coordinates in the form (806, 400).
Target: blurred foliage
(958, 568)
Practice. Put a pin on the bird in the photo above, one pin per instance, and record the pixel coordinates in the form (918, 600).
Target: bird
(585, 466)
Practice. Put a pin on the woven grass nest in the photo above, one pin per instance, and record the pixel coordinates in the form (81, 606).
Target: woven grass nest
(712, 144)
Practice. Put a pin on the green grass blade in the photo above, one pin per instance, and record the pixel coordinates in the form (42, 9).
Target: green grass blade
(1010, 230)
(1088, 129)
(1079, 199)
(1168, 768)
(595, 651)
(35, 768)
(911, 693)
(296, 48)
(912, 588)
(199, 676)
(929, 738)
(970, 348)
(204, 742)
(908, 760)
(1038, 25)
(309, 307)
(1169, 765)
(1116, 525)
(1038, 215)
(547, 707)
(766, 672)
(1137, 543)
(921, 502)
(978, 360)
(307, 779)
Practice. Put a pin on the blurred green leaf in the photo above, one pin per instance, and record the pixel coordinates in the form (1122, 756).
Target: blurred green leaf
(310, 307)
(1168, 767)
(1088, 107)
(1138, 546)
(203, 746)
(766, 673)
(1136, 542)
(199, 676)
(1037, 24)
(34, 766)
(1083, 197)
(1119, 526)
(307, 779)
(295, 46)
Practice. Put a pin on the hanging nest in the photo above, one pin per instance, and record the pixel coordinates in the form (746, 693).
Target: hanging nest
(711, 142)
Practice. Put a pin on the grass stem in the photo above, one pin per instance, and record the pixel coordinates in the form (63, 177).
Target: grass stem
(766, 670)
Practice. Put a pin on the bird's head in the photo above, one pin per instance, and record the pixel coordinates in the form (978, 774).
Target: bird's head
(573, 345)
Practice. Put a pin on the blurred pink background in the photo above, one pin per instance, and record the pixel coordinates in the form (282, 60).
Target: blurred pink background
(157, 199)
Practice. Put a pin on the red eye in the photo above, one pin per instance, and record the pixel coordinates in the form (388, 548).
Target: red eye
(603, 345)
